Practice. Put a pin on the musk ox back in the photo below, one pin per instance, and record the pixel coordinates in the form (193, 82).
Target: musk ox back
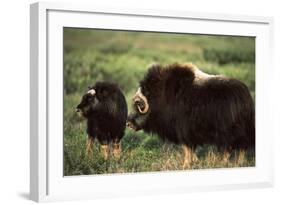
(185, 106)
(105, 108)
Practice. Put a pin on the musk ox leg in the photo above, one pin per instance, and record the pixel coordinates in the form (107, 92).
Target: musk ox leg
(188, 156)
(117, 145)
(225, 156)
(117, 150)
(194, 157)
(105, 151)
(89, 146)
(241, 157)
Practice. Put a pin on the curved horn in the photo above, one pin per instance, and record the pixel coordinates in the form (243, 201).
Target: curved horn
(91, 91)
(139, 96)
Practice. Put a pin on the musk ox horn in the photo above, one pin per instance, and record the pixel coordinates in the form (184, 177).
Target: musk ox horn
(140, 97)
(91, 91)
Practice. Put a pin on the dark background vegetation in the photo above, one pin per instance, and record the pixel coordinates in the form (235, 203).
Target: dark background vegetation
(123, 57)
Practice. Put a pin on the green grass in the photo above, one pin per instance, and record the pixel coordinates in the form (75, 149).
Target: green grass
(123, 57)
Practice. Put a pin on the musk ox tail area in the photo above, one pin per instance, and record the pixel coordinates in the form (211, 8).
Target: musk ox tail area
(242, 111)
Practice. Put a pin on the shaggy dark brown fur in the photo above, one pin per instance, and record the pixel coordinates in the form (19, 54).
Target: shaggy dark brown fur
(189, 107)
(105, 108)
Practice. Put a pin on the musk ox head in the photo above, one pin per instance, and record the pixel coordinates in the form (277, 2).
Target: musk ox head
(98, 97)
(88, 103)
(146, 98)
(160, 90)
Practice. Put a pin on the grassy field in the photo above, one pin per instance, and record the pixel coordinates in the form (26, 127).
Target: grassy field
(123, 57)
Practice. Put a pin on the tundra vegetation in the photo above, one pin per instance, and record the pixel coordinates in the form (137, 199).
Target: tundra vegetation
(123, 57)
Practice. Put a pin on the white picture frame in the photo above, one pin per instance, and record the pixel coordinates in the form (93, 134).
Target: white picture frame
(47, 182)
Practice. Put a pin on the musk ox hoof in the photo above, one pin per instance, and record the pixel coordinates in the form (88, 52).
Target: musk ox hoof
(117, 150)
(186, 165)
(105, 151)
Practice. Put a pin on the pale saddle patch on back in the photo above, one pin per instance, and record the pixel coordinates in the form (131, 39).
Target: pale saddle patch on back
(199, 76)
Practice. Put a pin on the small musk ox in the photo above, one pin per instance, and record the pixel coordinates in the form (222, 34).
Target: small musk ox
(105, 108)
(186, 106)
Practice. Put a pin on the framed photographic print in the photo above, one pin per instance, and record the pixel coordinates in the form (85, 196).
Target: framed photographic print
(147, 101)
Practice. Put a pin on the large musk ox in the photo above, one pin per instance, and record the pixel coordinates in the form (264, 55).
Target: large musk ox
(186, 106)
(105, 108)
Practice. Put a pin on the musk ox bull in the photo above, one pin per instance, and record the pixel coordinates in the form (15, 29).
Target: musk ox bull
(186, 106)
(105, 108)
